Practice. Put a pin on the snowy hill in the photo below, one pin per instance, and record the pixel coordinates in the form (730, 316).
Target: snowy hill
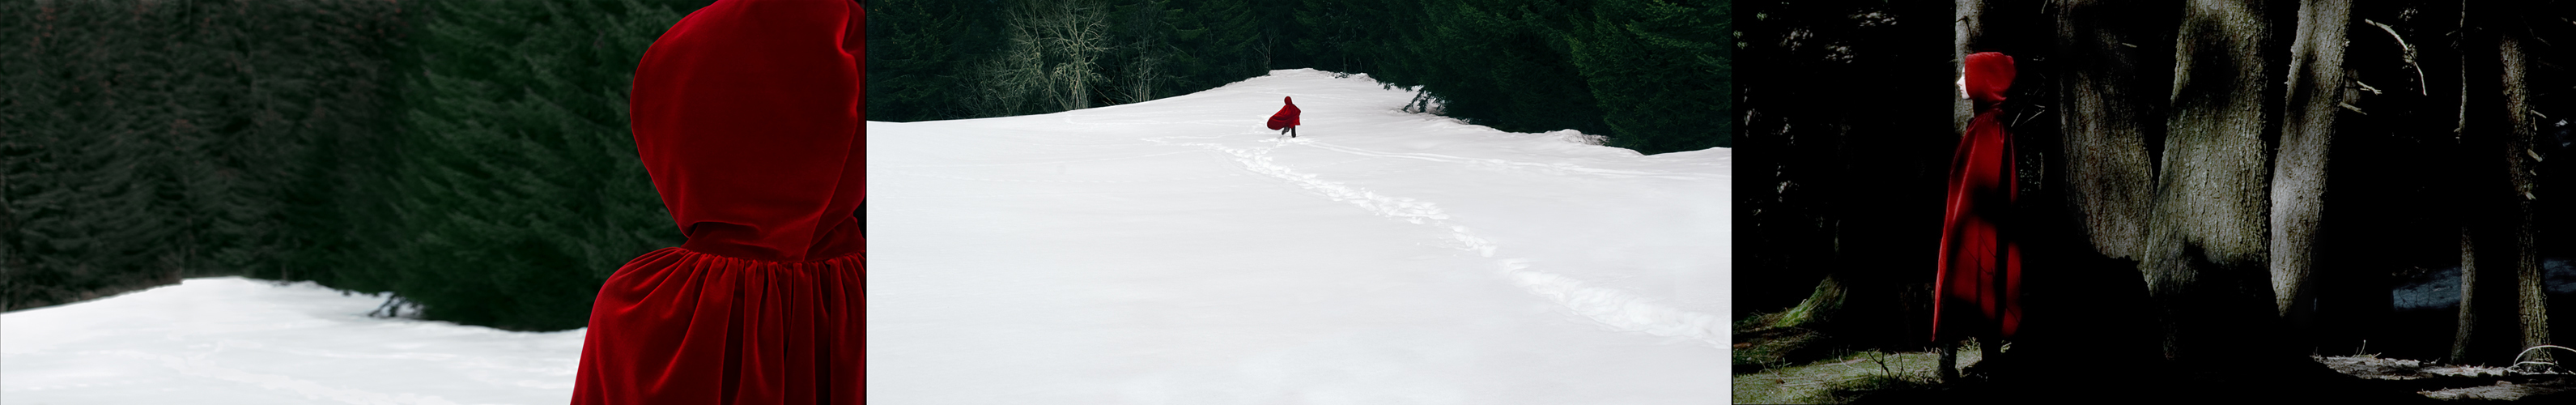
(238, 341)
(1174, 251)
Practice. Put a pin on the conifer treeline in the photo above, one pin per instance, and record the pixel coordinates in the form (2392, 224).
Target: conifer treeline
(1649, 73)
(515, 190)
(471, 156)
(143, 141)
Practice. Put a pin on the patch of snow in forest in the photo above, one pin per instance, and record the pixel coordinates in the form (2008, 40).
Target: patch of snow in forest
(2440, 289)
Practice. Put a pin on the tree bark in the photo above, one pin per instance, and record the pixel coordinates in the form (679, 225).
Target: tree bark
(2467, 328)
(2468, 320)
(2206, 245)
(2109, 177)
(2317, 91)
(1967, 22)
(2519, 132)
(2503, 306)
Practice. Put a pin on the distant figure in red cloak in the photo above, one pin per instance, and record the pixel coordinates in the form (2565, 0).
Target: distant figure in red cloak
(746, 114)
(1286, 120)
(1979, 286)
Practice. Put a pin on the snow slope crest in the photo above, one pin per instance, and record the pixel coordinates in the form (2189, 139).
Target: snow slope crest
(1175, 251)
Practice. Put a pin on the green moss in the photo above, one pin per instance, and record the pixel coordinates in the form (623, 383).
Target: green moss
(1776, 347)
(1844, 378)
(1827, 299)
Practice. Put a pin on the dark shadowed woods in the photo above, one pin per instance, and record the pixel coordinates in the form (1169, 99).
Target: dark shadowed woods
(2205, 184)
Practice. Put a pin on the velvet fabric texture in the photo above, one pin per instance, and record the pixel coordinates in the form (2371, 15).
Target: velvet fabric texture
(1287, 116)
(1979, 283)
(747, 115)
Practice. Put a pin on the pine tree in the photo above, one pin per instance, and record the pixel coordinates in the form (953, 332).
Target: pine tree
(1503, 64)
(918, 56)
(1215, 41)
(1657, 67)
(517, 190)
(84, 141)
(326, 196)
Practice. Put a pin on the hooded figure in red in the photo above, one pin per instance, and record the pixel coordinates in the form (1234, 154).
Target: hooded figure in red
(1286, 120)
(747, 115)
(1979, 285)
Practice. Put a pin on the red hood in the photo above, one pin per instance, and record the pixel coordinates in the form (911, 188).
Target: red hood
(1989, 75)
(746, 113)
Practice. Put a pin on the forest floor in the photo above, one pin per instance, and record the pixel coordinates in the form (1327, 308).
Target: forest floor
(2457, 382)
(1780, 367)
(1843, 379)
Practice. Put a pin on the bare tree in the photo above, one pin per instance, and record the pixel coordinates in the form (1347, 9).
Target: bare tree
(1051, 56)
(1006, 81)
(1073, 35)
(1147, 48)
(1138, 85)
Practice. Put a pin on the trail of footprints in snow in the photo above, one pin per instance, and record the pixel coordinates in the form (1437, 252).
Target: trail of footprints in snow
(1614, 309)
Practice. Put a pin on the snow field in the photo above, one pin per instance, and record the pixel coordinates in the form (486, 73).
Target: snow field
(1174, 251)
(232, 340)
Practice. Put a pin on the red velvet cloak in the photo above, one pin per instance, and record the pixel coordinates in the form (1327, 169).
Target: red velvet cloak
(747, 114)
(1287, 116)
(1979, 285)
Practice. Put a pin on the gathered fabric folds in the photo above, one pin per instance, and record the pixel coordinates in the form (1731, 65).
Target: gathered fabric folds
(1979, 282)
(692, 328)
(1287, 115)
(747, 115)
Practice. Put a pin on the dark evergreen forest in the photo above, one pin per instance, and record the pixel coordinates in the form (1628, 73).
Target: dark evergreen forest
(472, 156)
(2210, 192)
(147, 141)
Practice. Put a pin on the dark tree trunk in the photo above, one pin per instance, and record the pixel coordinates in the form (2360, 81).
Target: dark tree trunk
(2107, 120)
(2503, 307)
(2520, 128)
(2317, 91)
(2462, 341)
(2206, 245)
(2468, 323)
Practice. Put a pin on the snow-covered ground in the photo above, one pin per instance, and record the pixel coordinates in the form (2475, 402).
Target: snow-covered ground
(1175, 252)
(238, 341)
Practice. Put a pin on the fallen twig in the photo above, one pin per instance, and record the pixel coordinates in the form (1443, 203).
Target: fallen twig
(2517, 358)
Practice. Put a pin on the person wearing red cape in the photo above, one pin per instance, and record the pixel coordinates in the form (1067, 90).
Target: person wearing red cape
(1979, 283)
(1285, 121)
(747, 115)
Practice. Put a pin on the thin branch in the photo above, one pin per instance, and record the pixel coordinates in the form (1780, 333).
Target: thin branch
(2408, 51)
